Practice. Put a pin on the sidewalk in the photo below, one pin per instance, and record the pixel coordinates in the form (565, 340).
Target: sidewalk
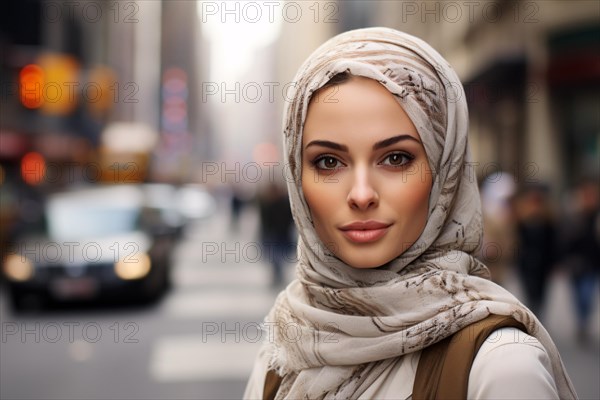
(558, 316)
(582, 362)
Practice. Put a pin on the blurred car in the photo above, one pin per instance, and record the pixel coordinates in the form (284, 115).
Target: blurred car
(109, 242)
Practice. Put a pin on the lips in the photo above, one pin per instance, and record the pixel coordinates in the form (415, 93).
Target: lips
(364, 231)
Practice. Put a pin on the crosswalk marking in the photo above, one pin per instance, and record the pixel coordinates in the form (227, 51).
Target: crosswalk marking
(219, 304)
(199, 275)
(217, 296)
(192, 358)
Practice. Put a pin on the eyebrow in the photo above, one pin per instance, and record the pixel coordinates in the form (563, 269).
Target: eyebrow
(379, 145)
(394, 139)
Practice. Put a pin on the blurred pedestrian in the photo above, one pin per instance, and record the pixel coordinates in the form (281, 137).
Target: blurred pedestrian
(582, 251)
(536, 243)
(236, 206)
(275, 229)
(499, 231)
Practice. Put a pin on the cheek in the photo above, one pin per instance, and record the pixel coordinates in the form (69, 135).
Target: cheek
(411, 202)
(322, 201)
(314, 195)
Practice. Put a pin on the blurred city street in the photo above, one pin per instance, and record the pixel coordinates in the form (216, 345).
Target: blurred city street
(200, 341)
(129, 128)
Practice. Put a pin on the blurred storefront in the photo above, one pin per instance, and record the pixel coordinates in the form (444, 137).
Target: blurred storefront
(573, 77)
(530, 70)
(531, 74)
(71, 69)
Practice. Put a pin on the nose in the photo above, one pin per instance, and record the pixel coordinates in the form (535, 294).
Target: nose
(363, 194)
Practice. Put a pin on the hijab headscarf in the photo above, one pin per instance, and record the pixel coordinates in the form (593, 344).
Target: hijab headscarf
(335, 328)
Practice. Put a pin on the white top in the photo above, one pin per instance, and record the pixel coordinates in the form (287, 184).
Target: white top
(510, 364)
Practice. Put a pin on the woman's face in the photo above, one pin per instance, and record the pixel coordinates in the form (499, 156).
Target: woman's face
(365, 174)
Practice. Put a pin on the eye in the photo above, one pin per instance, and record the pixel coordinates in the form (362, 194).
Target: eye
(397, 159)
(327, 163)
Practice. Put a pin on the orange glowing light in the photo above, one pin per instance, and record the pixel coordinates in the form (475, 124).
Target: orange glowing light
(33, 168)
(31, 84)
(61, 87)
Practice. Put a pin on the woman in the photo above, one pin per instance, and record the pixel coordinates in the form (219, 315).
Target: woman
(388, 217)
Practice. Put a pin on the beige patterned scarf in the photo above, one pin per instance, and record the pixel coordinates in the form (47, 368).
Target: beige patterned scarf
(335, 328)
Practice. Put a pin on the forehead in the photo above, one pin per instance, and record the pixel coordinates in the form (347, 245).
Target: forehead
(358, 110)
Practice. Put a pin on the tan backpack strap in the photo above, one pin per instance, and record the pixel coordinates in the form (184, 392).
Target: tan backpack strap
(444, 368)
(272, 383)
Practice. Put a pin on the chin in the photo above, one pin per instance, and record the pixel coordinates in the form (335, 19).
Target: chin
(363, 261)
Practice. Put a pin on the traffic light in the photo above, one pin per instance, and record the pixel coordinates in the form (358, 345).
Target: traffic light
(33, 168)
(50, 85)
(31, 83)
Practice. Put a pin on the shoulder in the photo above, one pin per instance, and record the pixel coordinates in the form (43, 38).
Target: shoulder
(256, 382)
(511, 364)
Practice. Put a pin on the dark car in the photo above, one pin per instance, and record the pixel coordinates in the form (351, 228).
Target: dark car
(109, 242)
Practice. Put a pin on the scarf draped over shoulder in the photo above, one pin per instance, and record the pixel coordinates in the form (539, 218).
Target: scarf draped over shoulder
(335, 328)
